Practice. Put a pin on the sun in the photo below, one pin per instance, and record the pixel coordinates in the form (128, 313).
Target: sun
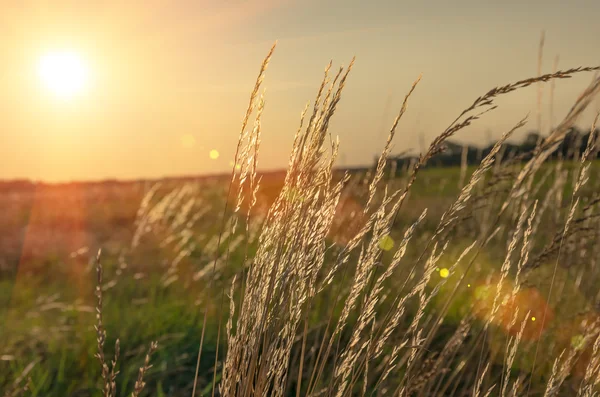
(63, 73)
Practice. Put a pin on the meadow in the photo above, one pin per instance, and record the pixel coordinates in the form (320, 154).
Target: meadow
(472, 280)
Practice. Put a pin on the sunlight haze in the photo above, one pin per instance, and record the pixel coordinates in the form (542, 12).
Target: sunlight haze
(105, 89)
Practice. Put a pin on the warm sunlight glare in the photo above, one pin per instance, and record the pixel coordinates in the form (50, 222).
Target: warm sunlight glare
(63, 73)
(188, 141)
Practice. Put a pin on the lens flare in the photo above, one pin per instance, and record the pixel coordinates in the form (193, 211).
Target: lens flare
(386, 243)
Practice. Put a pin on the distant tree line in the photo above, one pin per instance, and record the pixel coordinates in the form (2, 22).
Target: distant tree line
(574, 143)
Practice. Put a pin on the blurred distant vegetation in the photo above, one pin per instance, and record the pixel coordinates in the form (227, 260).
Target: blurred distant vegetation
(455, 154)
(50, 233)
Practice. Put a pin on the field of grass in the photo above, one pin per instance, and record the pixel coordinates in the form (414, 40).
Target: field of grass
(429, 281)
(48, 282)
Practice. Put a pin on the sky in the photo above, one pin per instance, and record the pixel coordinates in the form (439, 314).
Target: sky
(169, 81)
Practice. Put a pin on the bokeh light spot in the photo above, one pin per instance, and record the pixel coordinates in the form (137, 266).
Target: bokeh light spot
(213, 154)
(444, 273)
(386, 243)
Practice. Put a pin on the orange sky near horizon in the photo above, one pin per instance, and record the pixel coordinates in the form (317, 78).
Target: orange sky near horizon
(170, 80)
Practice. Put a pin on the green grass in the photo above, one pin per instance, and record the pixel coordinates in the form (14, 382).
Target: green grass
(58, 335)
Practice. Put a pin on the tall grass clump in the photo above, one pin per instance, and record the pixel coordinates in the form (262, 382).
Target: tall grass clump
(369, 338)
(475, 297)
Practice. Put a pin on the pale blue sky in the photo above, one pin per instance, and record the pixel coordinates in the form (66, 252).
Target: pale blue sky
(171, 69)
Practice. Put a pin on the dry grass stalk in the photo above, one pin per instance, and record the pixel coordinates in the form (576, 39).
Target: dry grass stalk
(22, 384)
(302, 215)
(108, 375)
(552, 84)
(381, 163)
(582, 179)
(560, 371)
(511, 347)
(540, 88)
(139, 383)
(591, 380)
(241, 140)
(549, 145)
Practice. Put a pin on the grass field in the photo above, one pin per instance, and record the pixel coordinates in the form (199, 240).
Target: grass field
(425, 281)
(52, 232)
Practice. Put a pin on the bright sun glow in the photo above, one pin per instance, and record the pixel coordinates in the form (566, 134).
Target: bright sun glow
(63, 73)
